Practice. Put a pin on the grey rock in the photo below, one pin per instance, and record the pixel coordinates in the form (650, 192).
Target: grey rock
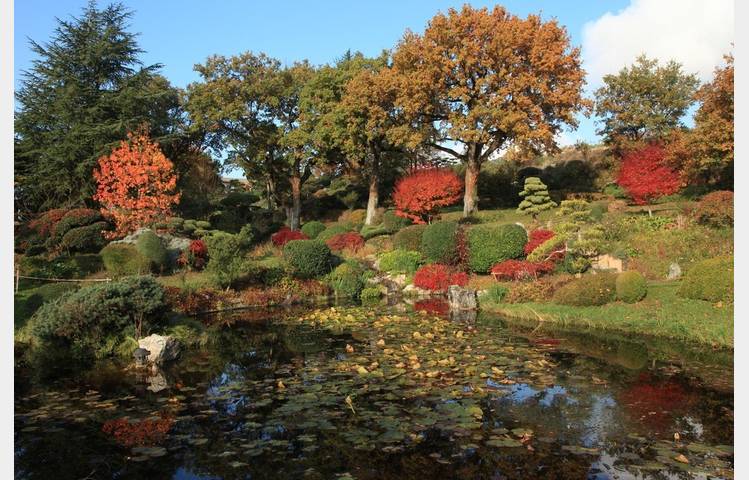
(163, 348)
(414, 291)
(674, 271)
(461, 298)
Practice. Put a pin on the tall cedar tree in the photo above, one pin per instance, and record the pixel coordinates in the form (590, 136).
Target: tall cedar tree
(249, 106)
(81, 96)
(486, 79)
(704, 155)
(420, 195)
(646, 176)
(135, 184)
(643, 102)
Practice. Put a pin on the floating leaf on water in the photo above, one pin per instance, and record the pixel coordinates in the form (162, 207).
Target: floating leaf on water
(503, 442)
(580, 450)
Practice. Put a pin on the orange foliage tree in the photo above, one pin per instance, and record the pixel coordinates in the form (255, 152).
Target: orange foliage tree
(135, 184)
(646, 176)
(420, 195)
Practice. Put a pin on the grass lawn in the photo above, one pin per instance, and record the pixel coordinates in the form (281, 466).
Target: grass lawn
(662, 313)
(189, 280)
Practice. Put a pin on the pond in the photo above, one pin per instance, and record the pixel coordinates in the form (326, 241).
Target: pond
(384, 393)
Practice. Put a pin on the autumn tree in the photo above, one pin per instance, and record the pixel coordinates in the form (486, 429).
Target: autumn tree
(646, 176)
(478, 80)
(643, 102)
(704, 154)
(135, 184)
(85, 89)
(421, 194)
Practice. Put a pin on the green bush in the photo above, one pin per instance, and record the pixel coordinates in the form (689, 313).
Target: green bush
(121, 259)
(85, 239)
(409, 238)
(203, 224)
(307, 258)
(370, 294)
(615, 191)
(87, 263)
(393, 222)
(380, 244)
(597, 211)
(490, 244)
(400, 261)
(371, 231)
(631, 287)
(152, 247)
(346, 279)
(79, 217)
(710, 280)
(439, 242)
(590, 290)
(226, 263)
(96, 318)
(41, 266)
(495, 293)
(175, 223)
(313, 229)
(26, 302)
(333, 230)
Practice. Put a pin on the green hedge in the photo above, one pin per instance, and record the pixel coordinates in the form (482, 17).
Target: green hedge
(333, 230)
(86, 239)
(590, 290)
(400, 261)
(370, 294)
(307, 258)
(313, 229)
(439, 242)
(152, 247)
(490, 244)
(631, 287)
(409, 238)
(346, 280)
(121, 259)
(372, 231)
(710, 280)
(393, 222)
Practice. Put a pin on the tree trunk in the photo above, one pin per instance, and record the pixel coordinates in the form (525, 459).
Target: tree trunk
(471, 197)
(374, 186)
(296, 202)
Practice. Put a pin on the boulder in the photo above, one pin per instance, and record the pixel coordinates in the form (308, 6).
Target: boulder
(674, 271)
(461, 298)
(414, 291)
(163, 348)
(608, 263)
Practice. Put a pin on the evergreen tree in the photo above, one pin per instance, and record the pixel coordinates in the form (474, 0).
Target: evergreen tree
(536, 197)
(82, 94)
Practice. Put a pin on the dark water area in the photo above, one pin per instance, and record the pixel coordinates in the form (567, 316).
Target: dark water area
(357, 393)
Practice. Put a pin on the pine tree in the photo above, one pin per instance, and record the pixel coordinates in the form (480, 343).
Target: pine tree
(536, 197)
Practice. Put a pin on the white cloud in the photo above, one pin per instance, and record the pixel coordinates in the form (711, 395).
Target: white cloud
(695, 33)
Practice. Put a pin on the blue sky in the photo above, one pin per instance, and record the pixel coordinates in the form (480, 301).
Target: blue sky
(179, 34)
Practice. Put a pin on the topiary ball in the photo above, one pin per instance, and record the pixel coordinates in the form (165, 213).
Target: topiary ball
(313, 229)
(307, 258)
(490, 244)
(631, 287)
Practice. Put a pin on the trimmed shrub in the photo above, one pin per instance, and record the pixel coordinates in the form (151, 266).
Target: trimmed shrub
(394, 222)
(226, 263)
(87, 319)
(371, 231)
(491, 244)
(541, 290)
(355, 218)
(597, 210)
(710, 280)
(590, 290)
(78, 217)
(536, 238)
(346, 279)
(380, 244)
(205, 225)
(631, 287)
(313, 229)
(400, 261)
(285, 235)
(345, 241)
(121, 259)
(333, 230)
(87, 263)
(521, 269)
(307, 258)
(409, 238)
(86, 239)
(370, 294)
(715, 209)
(437, 278)
(152, 247)
(439, 242)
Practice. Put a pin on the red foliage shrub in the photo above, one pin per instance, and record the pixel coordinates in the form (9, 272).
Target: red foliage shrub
(285, 235)
(130, 433)
(420, 195)
(45, 223)
(521, 269)
(433, 306)
(438, 278)
(715, 209)
(536, 238)
(264, 296)
(646, 176)
(345, 241)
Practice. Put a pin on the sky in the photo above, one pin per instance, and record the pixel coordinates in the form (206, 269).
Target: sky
(179, 34)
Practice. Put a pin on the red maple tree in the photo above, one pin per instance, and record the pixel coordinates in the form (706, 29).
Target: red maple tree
(420, 195)
(646, 176)
(135, 184)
